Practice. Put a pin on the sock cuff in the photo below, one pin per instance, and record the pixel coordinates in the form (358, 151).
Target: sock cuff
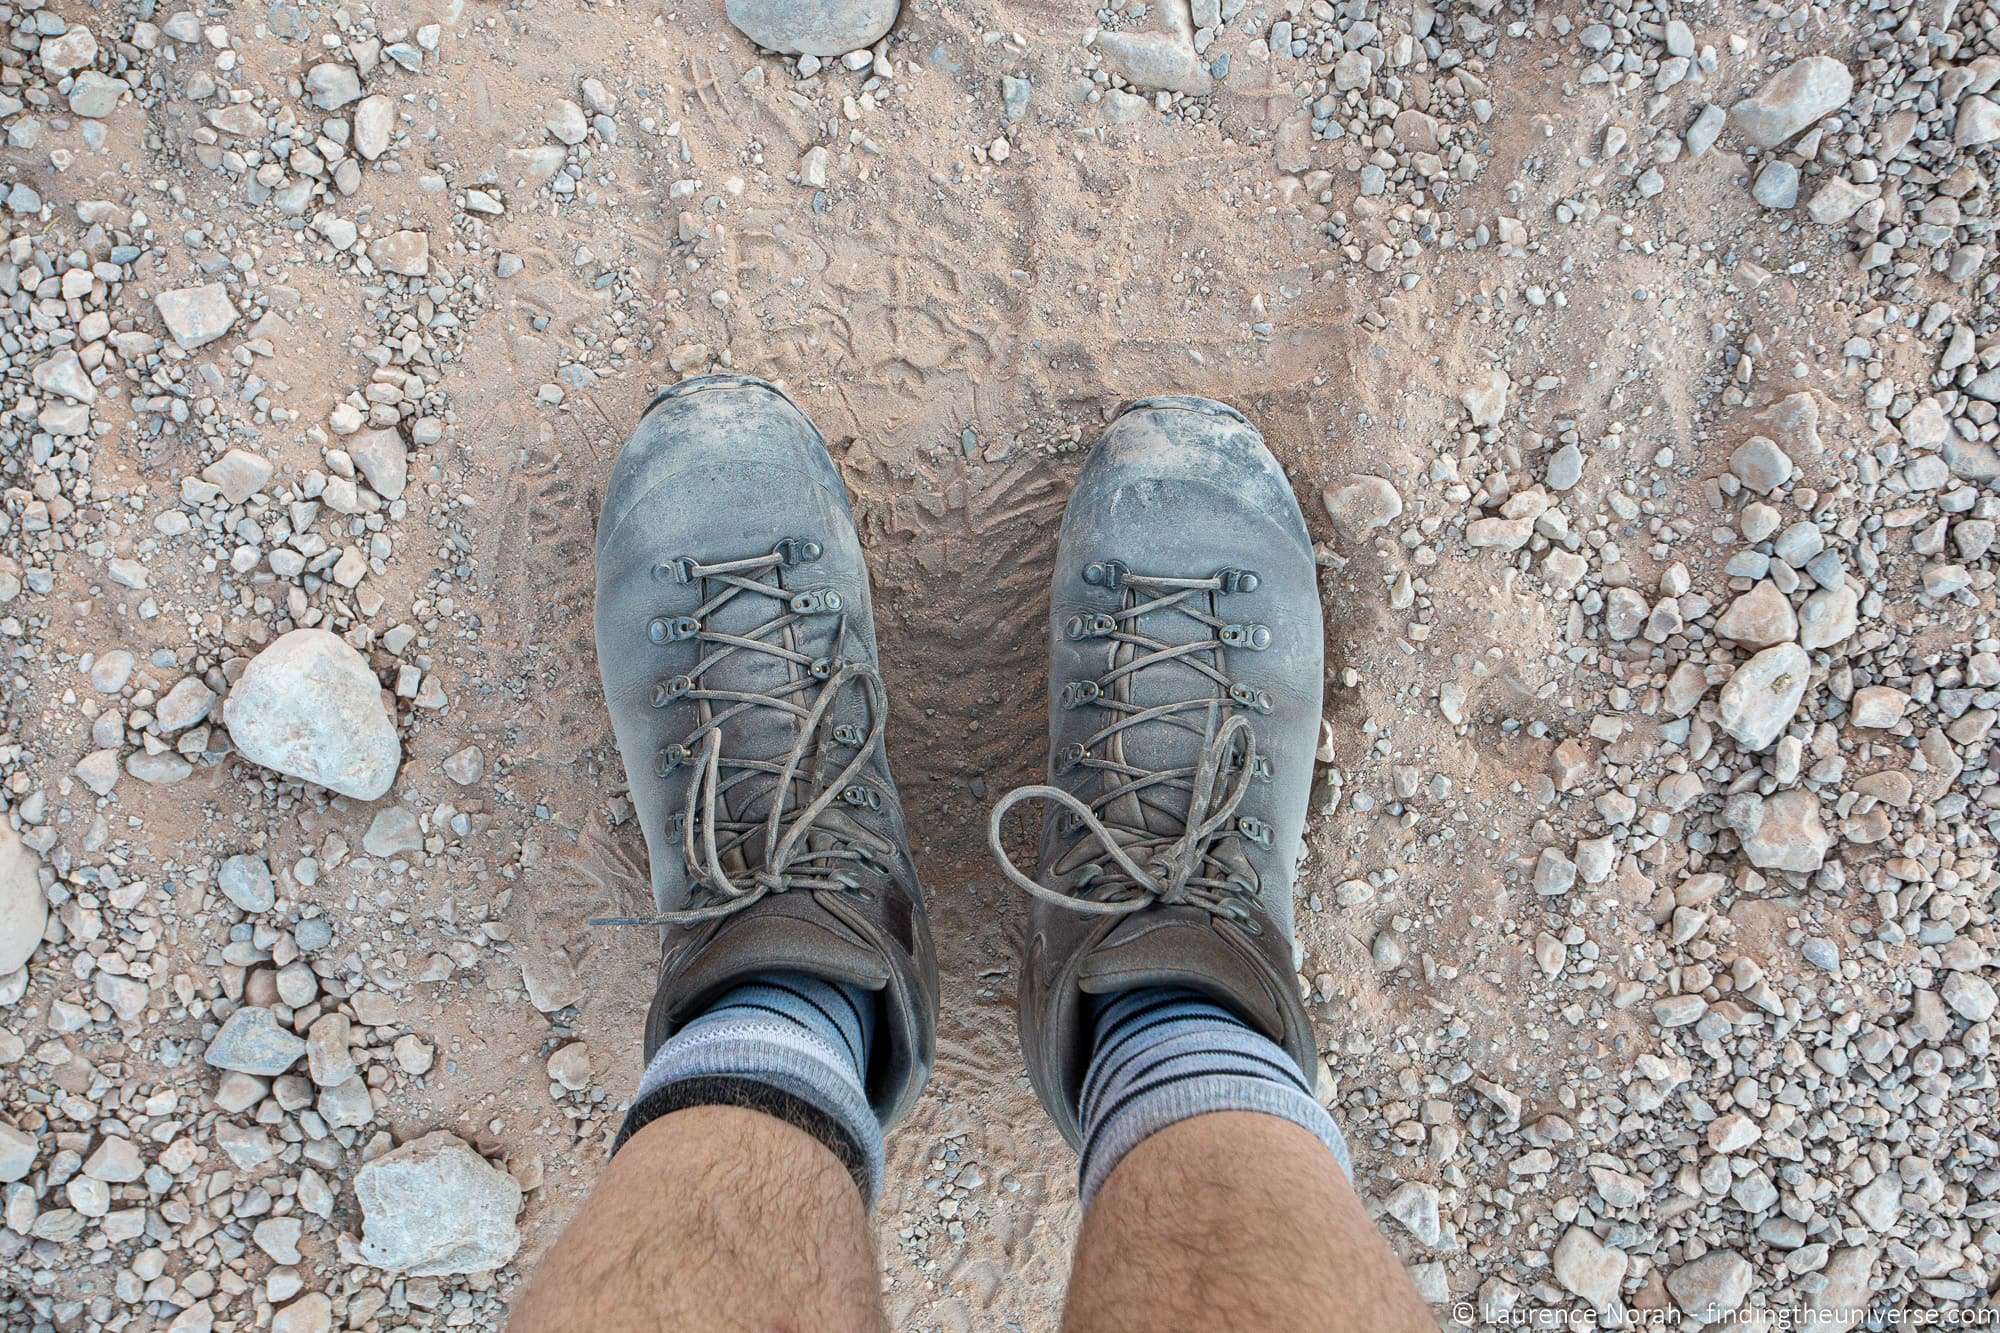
(757, 1095)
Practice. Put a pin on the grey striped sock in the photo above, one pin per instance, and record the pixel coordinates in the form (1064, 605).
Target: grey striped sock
(1164, 1054)
(799, 1036)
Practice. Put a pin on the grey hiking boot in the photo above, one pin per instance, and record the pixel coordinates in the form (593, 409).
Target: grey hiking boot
(736, 637)
(1184, 706)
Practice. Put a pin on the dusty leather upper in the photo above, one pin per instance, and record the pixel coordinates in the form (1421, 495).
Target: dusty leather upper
(724, 470)
(1177, 489)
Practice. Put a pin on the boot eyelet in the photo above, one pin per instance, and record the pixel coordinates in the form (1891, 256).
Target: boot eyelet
(1090, 626)
(1256, 830)
(672, 629)
(680, 569)
(820, 668)
(1254, 637)
(667, 691)
(847, 734)
(813, 601)
(677, 822)
(866, 798)
(1106, 574)
(1260, 768)
(797, 551)
(1080, 692)
(671, 758)
(1071, 756)
(1237, 580)
(1249, 696)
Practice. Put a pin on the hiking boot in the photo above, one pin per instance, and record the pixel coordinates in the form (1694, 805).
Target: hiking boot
(1184, 709)
(736, 637)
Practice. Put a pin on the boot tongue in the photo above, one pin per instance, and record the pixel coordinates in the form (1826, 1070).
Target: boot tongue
(1184, 946)
(784, 932)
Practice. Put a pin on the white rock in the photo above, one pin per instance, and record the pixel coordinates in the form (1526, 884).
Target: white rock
(309, 707)
(1712, 1287)
(1763, 695)
(197, 316)
(1485, 399)
(383, 460)
(1362, 504)
(1587, 1267)
(24, 908)
(374, 121)
(407, 253)
(435, 1207)
(331, 86)
(17, 1152)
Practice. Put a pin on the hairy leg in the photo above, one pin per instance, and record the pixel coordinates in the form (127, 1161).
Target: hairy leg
(1235, 1220)
(715, 1217)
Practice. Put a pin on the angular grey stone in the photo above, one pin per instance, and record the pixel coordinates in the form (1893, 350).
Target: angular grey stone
(1761, 465)
(382, 459)
(1763, 695)
(239, 474)
(1712, 1287)
(1829, 616)
(246, 881)
(1361, 504)
(407, 253)
(63, 373)
(24, 908)
(1797, 97)
(1155, 62)
(568, 123)
(17, 1152)
(252, 1041)
(1843, 1302)
(186, 703)
(434, 1207)
(158, 770)
(392, 832)
(1587, 1267)
(1707, 128)
(94, 96)
(197, 316)
(813, 27)
(1760, 618)
(331, 86)
(1777, 185)
(466, 766)
(1789, 836)
(374, 121)
(309, 707)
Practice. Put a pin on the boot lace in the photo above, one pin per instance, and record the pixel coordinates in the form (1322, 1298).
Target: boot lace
(1141, 862)
(803, 840)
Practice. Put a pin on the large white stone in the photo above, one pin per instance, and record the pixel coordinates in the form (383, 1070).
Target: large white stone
(1763, 697)
(1800, 95)
(434, 1207)
(309, 707)
(24, 909)
(813, 27)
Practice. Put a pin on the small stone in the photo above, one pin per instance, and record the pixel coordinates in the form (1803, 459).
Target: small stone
(568, 123)
(310, 1313)
(1587, 1267)
(186, 703)
(1415, 1205)
(1829, 616)
(1877, 707)
(1763, 695)
(393, 832)
(551, 983)
(197, 316)
(1777, 185)
(382, 458)
(413, 1054)
(246, 881)
(309, 707)
(1361, 504)
(1802, 94)
(1969, 996)
(1978, 121)
(331, 85)
(570, 1066)
(1712, 1287)
(374, 121)
(466, 766)
(1565, 468)
(1156, 63)
(1733, 1133)
(1789, 834)
(407, 253)
(1879, 1203)
(1761, 618)
(95, 96)
(1486, 399)
(253, 1042)
(1761, 465)
(239, 475)
(17, 1152)
(98, 771)
(1707, 128)
(434, 1207)
(63, 373)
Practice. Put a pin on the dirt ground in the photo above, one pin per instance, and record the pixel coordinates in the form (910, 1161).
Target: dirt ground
(960, 324)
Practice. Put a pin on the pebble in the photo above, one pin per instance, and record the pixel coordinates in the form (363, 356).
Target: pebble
(382, 458)
(1712, 1287)
(18, 1150)
(331, 85)
(1362, 504)
(1587, 1267)
(253, 1042)
(1761, 465)
(465, 766)
(435, 1207)
(393, 832)
(374, 122)
(406, 253)
(246, 881)
(309, 707)
(1485, 400)
(197, 316)
(1777, 185)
